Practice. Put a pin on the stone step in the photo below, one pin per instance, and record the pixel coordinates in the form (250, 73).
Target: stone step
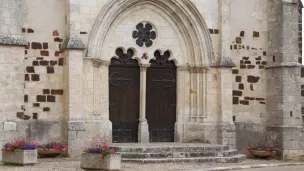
(233, 159)
(168, 148)
(229, 153)
(174, 154)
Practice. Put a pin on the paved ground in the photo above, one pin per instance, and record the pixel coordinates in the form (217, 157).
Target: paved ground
(289, 168)
(65, 164)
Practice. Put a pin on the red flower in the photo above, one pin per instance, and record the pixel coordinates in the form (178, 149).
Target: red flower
(259, 149)
(8, 149)
(105, 145)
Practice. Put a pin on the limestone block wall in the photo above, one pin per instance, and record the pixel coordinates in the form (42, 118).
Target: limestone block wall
(249, 35)
(10, 18)
(43, 27)
(11, 92)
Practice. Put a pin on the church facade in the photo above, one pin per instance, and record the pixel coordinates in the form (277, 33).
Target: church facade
(138, 71)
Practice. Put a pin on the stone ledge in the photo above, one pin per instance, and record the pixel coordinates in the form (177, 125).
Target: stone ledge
(283, 64)
(9, 40)
(224, 62)
(72, 43)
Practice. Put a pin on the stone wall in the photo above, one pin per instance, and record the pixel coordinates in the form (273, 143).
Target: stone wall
(284, 124)
(47, 92)
(249, 53)
(42, 82)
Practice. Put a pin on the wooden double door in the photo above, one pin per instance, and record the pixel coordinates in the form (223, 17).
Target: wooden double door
(124, 86)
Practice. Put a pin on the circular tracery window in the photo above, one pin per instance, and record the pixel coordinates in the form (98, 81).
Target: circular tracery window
(144, 34)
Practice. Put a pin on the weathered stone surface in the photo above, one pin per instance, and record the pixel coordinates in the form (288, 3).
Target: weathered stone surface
(76, 126)
(24, 157)
(10, 126)
(110, 162)
(8, 40)
(72, 43)
(224, 62)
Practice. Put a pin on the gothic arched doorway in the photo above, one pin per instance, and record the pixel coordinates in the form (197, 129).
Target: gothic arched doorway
(161, 98)
(124, 97)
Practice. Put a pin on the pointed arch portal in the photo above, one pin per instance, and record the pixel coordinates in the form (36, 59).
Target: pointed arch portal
(188, 101)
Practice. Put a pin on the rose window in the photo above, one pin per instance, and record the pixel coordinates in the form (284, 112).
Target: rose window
(144, 34)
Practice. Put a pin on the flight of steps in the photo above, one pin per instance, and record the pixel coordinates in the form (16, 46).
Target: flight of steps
(177, 152)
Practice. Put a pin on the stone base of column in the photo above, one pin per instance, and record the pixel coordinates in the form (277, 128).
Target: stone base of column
(226, 134)
(143, 132)
(179, 132)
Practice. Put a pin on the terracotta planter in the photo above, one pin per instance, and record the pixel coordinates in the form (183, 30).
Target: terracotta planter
(263, 154)
(22, 157)
(89, 161)
(50, 153)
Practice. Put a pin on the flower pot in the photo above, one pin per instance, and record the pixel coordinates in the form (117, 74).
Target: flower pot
(90, 161)
(22, 157)
(48, 153)
(263, 154)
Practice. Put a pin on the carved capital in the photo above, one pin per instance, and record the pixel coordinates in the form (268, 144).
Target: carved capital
(198, 69)
(99, 63)
(183, 68)
(144, 67)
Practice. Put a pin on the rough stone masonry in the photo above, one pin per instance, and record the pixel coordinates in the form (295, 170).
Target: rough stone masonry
(238, 71)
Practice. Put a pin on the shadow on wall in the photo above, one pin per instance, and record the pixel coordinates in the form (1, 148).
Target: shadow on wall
(249, 133)
(44, 131)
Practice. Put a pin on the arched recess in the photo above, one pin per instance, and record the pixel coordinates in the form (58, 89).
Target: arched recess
(184, 18)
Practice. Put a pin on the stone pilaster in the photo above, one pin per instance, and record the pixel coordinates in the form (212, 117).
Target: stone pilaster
(226, 127)
(101, 90)
(73, 71)
(284, 124)
(182, 112)
(143, 128)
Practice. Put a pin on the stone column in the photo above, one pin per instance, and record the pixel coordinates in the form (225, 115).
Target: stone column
(284, 124)
(143, 128)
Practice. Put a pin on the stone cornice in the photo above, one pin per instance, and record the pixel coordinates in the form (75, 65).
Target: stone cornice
(73, 43)
(10, 40)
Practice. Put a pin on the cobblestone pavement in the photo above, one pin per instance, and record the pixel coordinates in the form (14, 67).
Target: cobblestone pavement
(67, 164)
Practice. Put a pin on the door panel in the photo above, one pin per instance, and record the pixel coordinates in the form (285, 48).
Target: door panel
(161, 101)
(124, 100)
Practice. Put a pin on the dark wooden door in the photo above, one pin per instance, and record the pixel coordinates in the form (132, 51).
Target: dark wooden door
(161, 98)
(124, 97)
